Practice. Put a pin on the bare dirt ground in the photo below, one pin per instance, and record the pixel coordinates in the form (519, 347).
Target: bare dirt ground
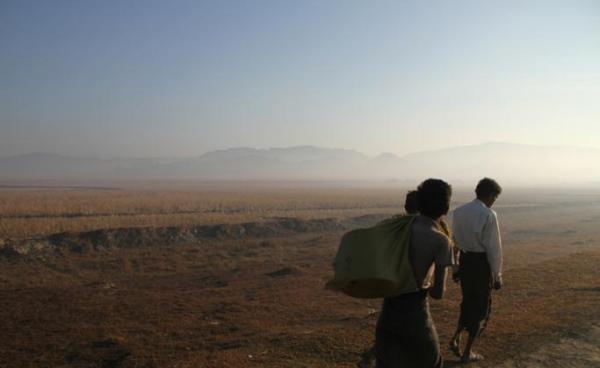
(574, 350)
(259, 301)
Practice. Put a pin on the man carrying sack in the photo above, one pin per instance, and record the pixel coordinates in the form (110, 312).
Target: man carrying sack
(405, 335)
(477, 236)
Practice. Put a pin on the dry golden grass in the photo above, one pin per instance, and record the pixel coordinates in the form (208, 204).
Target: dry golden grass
(29, 213)
(54, 203)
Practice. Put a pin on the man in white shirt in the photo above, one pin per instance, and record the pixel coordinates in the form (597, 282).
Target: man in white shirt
(477, 237)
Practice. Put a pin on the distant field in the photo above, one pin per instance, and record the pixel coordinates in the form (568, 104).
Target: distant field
(34, 213)
(31, 212)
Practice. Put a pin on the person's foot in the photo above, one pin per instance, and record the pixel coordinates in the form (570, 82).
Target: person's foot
(454, 348)
(472, 357)
(367, 359)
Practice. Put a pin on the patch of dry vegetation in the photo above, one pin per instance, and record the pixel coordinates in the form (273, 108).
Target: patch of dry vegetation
(28, 213)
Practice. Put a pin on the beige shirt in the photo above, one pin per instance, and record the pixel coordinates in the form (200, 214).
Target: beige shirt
(429, 246)
(475, 229)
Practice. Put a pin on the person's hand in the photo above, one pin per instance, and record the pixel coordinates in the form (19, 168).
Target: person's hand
(456, 277)
(436, 293)
(498, 284)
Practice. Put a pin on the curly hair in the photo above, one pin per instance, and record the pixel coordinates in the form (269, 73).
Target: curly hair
(434, 197)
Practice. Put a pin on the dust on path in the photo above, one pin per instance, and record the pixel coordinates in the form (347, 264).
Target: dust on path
(575, 351)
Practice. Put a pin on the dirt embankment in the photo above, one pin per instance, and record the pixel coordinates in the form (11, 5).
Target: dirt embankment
(137, 237)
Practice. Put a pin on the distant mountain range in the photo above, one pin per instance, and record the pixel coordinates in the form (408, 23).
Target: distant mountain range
(508, 162)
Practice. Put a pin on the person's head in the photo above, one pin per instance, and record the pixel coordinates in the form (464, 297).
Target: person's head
(487, 191)
(434, 198)
(411, 202)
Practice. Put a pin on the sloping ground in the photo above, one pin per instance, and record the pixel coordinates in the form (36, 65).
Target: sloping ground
(256, 302)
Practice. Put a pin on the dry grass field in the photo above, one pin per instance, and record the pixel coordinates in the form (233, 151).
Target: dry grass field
(247, 300)
(38, 213)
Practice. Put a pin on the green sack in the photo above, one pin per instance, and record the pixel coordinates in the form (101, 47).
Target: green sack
(374, 262)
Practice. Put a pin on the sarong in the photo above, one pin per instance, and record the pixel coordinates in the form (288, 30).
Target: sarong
(405, 335)
(476, 287)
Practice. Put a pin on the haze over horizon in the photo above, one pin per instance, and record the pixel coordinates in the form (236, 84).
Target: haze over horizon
(512, 164)
(181, 78)
(309, 146)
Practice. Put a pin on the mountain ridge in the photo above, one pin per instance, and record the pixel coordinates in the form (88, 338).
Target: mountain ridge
(509, 161)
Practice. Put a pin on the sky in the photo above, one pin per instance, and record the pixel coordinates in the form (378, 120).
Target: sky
(179, 78)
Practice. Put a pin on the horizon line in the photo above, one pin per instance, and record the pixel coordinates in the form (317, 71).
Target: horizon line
(40, 153)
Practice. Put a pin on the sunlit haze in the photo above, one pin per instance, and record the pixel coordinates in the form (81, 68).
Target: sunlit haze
(180, 78)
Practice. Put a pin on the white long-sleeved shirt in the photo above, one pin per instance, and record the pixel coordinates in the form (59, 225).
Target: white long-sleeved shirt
(475, 229)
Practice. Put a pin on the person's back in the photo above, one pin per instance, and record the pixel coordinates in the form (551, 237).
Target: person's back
(428, 246)
(469, 217)
(475, 230)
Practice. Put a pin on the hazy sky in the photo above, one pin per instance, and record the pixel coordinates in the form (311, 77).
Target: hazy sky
(178, 78)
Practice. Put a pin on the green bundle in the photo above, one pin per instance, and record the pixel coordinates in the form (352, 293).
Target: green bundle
(374, 262)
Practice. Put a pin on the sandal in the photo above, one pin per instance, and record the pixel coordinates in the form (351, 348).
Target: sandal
(473, 357)
(455, 349)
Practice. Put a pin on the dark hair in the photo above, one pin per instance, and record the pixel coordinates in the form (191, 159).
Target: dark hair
(434, 198)
(488, 188)
(411, 202)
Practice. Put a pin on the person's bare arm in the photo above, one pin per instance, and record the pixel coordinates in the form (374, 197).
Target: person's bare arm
(443, 258)
(439, 284)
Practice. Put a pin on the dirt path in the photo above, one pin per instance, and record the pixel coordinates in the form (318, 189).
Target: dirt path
(577, 350)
